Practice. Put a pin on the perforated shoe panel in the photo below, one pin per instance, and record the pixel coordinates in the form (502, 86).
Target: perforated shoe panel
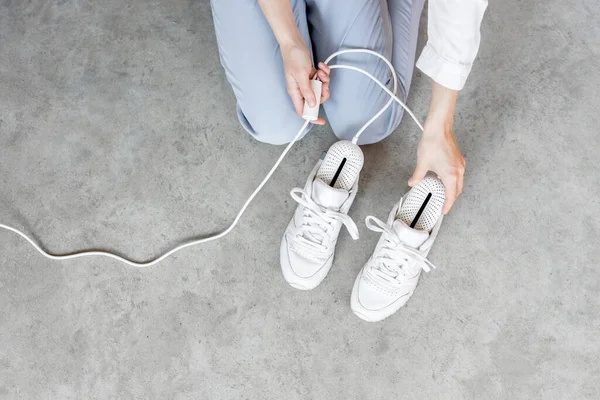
(415, 198)
(333, 159)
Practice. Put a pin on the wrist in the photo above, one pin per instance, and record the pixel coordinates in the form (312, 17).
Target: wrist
(280, 16)
(438, 127)
(289, 40)
(441, 112)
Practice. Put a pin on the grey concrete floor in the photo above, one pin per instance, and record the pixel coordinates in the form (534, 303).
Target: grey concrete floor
(118, 130)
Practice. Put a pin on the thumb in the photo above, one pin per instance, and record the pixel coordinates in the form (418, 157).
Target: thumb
(307, 92)
(418, 175)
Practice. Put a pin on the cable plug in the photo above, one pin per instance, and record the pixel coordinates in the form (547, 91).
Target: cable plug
(312, 113)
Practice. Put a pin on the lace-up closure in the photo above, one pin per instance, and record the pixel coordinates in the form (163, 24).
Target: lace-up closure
(316, 232)
(390, 276)
(308, 245)
(394, 261)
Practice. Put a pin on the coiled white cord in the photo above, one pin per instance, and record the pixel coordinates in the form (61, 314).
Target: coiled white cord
(158, 259)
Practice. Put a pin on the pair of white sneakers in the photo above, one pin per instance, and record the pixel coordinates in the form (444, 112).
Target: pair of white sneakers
(391, 274)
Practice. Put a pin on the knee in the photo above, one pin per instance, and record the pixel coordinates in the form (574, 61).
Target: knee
(346, 128)
(383, 126)
(275, 124)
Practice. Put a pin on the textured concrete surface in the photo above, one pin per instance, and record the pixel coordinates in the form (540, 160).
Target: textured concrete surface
(118, 130)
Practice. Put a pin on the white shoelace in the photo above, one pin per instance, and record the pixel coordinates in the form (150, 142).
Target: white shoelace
(394, 259)
(316, 229)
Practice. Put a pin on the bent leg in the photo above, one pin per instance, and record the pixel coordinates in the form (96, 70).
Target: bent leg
(252, 61)
(405, 16)
(389, 29)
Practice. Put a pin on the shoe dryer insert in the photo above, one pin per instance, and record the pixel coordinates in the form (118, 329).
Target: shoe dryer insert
(341, 165)
(422, 206)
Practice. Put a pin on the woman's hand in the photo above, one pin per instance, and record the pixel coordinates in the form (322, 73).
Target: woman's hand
(299, 70)
(297, 62)
(438, 151)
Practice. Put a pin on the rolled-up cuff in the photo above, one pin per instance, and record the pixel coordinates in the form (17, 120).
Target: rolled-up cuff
(445, 72)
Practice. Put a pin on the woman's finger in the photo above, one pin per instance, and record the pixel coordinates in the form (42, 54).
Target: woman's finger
(450, 184)
(325, 92)
(324, 67)
(323, 77)
(461, 178)
(306, 90)
(318, 121)
(295, 95)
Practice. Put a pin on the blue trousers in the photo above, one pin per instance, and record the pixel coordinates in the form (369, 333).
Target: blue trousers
(254, 68)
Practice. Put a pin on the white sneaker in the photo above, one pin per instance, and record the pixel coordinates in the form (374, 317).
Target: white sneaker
(308, 244)
(391, 274)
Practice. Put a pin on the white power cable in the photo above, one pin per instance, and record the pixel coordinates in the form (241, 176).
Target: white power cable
(158, 259)
(176, 249)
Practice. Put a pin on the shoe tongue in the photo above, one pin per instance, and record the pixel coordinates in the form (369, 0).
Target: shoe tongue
(326, 196)
(409, 236)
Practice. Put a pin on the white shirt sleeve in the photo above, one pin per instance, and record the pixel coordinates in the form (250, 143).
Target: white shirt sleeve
(453, 40)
